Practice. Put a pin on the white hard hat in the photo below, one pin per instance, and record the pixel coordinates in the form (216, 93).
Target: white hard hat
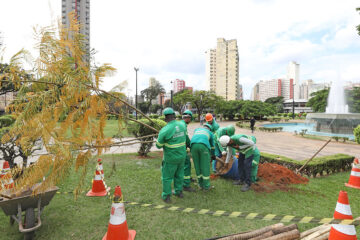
(224, 140)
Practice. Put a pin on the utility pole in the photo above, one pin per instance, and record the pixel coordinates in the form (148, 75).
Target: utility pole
(171, 96)
(136, 97)
(293, 105)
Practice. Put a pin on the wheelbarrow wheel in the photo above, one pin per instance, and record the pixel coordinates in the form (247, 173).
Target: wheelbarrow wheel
(11, 221)
(29, 223)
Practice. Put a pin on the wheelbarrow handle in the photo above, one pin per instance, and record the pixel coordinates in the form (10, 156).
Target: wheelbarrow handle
(26, 230)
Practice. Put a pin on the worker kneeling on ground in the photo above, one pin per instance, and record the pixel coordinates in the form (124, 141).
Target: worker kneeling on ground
(212, 122)
(187, 117)
(202, 151)
(172, 138)
(248, 160)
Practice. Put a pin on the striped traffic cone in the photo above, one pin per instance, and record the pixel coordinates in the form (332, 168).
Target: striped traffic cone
(100, 168)
(118, 229)
(6, 177)
(98, 188)
(342, 211)
(354, 180)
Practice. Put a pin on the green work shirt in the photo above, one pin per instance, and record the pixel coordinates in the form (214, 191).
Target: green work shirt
(247, 151)
(215, 126)
(219, 133)
(172, 138)
(204, 136)
(187, 135)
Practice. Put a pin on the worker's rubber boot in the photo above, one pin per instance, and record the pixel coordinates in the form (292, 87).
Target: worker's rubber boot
(238, 182)
(189, 189)
(167, 199)
(245, 187)
(180, 195)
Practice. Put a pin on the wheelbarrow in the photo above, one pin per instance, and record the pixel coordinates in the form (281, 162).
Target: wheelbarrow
(14, 207)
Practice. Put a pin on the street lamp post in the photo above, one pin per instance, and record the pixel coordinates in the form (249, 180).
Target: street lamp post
(293, 105)
(171, 96)
(136, 98)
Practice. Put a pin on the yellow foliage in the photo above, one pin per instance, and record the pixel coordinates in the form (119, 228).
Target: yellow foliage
(63, 97)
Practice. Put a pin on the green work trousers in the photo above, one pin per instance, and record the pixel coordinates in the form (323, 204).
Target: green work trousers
(187, 171)
(170, 172)
(201, 158)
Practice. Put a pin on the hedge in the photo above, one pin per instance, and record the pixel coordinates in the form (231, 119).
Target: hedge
(271, 129)
(317, 166)
(357, 134)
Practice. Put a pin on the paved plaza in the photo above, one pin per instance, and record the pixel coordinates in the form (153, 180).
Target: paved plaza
(281, 143)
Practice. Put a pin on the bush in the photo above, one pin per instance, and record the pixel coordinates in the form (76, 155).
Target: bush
(357, 134)
(154, 116)
(328, 164)
(112, 117)
(139, 130)
(290, 115)
(336, 138)
(273, 129)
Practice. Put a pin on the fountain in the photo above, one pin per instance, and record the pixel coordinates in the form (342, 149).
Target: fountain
(336, 119)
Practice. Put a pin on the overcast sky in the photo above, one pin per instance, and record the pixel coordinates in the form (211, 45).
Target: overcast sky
(168, 39)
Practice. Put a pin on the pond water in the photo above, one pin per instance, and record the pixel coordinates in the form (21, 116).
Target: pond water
(292, 127)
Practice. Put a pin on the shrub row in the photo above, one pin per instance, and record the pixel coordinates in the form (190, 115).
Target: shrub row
(318, 166)
(271, 129)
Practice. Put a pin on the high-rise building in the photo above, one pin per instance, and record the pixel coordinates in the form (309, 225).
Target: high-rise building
(82, 11)
(293, 72)
(178, 85)
(273, 88)
(222, 69)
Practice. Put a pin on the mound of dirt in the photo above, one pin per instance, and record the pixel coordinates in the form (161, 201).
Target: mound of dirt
(276, 177)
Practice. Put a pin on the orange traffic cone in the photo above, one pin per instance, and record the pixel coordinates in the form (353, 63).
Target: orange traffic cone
(6, 178)
(342, 211)
(98, 186)
(354, 180)
(118, 229)
(100, 168)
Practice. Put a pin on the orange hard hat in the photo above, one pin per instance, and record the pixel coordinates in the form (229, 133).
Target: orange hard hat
(208, 117)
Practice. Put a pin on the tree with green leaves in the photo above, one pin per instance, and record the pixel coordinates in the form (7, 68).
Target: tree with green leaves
(152, 92)
(318, 100)
(229, 109)
(180, 99)
(353, 100)
(278, 102)
(358, 26)
(257, 109)
(202, 100)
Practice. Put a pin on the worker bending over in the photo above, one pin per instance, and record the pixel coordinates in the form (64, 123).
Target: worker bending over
(249, 157)
(212, 122)
(202, 151)
(172, 138)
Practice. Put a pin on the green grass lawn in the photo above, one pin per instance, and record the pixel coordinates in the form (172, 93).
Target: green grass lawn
(111, 129)
(87, 218)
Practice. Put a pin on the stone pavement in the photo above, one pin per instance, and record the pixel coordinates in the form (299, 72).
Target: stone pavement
(281, 143)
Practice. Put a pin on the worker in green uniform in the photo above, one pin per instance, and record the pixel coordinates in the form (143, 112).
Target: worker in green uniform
(187, 117)
(202, 151)
(229, 131)
(247, 150)
(210, 120)
(172, 138)
(219, 150)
